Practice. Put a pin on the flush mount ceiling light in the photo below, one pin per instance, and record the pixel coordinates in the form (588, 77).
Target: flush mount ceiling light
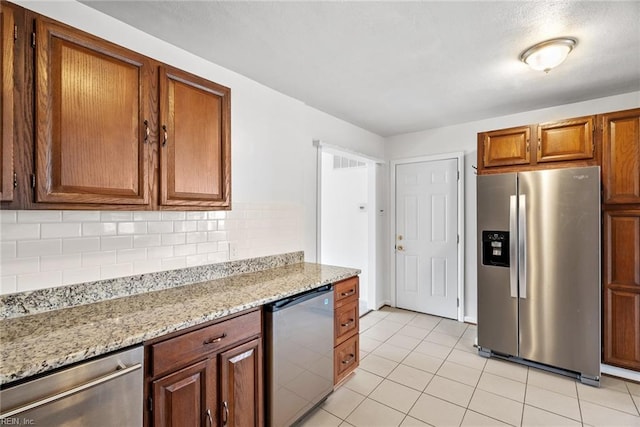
(548, 54)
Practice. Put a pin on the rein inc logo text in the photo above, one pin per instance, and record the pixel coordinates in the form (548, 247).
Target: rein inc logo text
(17, 421)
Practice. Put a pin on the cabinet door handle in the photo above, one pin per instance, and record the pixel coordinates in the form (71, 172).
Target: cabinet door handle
(346, 294)
(349, 360)
(209, 417)
(215, 340)
(164, 141)
(349, 323)
(146, 131)
(225, 417)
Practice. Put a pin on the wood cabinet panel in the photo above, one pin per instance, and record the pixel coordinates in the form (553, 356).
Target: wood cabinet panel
(186, 397)
(346, 358)
(90, 118)
(566, 140)
(505, 147)
(621, 315)
(241, 385)
(8, 28)
(621, 157)
(346, 290)
(346, 321)
(194, 140)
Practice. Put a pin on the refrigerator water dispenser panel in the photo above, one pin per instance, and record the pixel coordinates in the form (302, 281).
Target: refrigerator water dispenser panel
(495, 248)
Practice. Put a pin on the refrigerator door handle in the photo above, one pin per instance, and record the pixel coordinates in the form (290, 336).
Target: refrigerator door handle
(513, 246)
(522, 245)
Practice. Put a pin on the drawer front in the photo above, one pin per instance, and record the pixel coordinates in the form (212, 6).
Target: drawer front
(346, 289)
(346, 358)
(176, 352)
(346, 321)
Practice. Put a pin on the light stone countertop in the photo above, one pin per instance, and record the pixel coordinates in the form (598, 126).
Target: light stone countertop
(37, 343)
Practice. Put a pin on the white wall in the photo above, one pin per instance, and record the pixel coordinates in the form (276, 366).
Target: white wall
(463, 137)
(273, 170)
(344, 227)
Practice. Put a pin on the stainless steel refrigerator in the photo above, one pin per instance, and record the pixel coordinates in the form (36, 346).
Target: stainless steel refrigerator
(539, 269)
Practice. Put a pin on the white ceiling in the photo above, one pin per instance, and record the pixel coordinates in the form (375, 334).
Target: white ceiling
(394, 67)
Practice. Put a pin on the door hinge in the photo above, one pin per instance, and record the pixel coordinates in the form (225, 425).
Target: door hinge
(458, 175)
(458, 239)
(15, 32)
(33, 39)
(15, 180)
(33, 181)
(150, 404)
(457, 302)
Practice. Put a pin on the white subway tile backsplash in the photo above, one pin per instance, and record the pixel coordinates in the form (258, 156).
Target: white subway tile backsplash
(39, 216)
(65, 229)
(79, 275)
(147, 240)
(52, 248)
(82, 244)
(99, 229)
(108, 216)
(20, 231)
(174, 239)
(146, 216)
(27, 248)
(173, 215)
(80, 216)
(18, 266)
(132, 227)
(130, 255)
(8, 249)
(8, 217)
(8, 284)
(48, 279)
(108, 243)
(160, 227)
(60, 262)
(196, 237)
(98, 258)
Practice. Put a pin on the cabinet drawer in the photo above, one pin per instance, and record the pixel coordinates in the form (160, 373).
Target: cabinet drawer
(344, 290)
(176, 352)
(346, 358)
(346, 321)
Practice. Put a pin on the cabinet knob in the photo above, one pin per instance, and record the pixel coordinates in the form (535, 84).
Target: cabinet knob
(164, 140)
(146, 131)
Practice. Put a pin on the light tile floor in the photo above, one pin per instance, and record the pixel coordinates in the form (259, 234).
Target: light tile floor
(420, 370)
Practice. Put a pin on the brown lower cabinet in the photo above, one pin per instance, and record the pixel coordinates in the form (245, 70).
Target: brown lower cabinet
(210, 376)
(346, 329)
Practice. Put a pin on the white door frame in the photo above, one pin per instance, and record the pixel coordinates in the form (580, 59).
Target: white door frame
(372, 300)
(392, 218)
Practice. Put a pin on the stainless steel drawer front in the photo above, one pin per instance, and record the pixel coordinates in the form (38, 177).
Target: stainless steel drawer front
(106, 392)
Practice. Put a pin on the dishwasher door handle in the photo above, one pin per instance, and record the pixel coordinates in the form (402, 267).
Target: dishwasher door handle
(72, 391)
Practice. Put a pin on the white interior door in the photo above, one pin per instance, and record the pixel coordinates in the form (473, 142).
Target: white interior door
(427, 237)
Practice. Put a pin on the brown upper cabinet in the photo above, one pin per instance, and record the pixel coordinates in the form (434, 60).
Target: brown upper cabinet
(113, 129)
(546, 145)
(194, 141)
(621, 157)
(92, 103)
(8, 31)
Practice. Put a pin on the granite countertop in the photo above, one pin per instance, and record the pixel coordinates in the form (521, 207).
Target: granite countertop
(38, 343)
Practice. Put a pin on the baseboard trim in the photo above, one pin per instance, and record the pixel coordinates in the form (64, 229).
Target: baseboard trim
(469, 319)
(620, 372)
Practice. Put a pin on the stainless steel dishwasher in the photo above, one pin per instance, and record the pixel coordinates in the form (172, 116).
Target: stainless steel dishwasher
(299, 355)
(107, 391)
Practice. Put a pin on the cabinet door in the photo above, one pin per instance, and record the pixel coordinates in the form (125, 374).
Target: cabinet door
(186, 397)
(195, 150)
(566, 140)
(622, 288)
(92, 104)
(346, 358)
(506, 147)
(621, 157)
(241, 385)
(6, 103)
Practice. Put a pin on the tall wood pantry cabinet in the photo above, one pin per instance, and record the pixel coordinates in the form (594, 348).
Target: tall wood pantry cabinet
(621, 238)
(112, 128)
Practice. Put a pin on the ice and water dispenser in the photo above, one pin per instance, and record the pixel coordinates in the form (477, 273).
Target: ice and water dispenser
(495, 248)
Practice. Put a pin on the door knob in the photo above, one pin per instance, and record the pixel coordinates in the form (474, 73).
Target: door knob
(400, 248)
